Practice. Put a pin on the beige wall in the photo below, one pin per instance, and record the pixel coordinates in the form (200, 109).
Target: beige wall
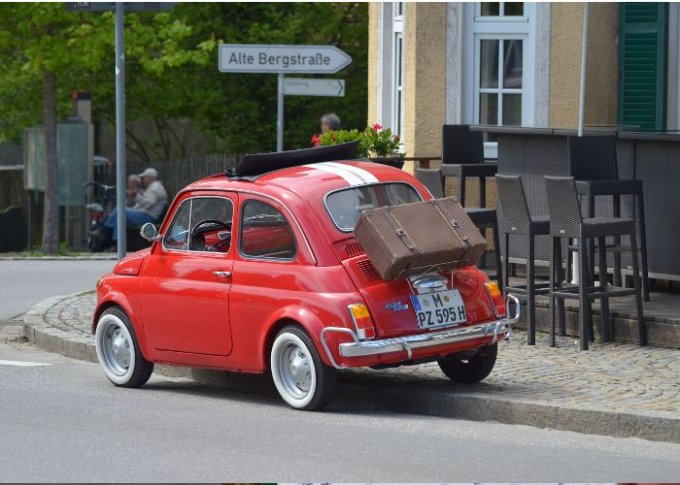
(424, 75)
(565, 65)
(425, 81)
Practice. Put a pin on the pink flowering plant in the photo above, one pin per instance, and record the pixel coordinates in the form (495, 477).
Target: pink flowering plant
(374, 141)
(380, 142)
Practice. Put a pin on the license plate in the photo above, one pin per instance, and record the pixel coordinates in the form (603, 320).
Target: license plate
(439, 309)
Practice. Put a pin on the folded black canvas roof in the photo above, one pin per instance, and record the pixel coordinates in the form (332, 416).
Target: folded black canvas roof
(257, 164)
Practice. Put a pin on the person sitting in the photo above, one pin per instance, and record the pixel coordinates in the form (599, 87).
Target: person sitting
(148, 206)
(134, 189)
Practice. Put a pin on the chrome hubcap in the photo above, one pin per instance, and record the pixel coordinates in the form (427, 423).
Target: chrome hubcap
(116, 347)
(295, 370)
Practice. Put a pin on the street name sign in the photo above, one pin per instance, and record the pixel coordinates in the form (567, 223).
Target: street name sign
(300, 86)
(282, 59)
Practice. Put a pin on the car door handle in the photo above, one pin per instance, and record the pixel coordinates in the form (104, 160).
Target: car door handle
(222, 274)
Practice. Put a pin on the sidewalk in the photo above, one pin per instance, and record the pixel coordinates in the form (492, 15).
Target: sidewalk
(57, 257)
(613, 389)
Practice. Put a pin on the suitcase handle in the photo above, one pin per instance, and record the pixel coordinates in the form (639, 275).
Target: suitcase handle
(445, 213)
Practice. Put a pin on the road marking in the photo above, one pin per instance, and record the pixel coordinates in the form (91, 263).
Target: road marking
(18, 363)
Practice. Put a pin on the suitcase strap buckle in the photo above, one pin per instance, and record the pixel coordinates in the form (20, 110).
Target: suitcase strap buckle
(455, 224)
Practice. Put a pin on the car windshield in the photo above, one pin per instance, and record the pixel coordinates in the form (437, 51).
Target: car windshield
(345, 206)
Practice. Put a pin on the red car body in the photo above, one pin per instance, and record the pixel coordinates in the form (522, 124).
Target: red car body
(224, 310)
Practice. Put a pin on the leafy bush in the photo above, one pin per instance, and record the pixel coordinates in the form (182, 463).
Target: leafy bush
(374, 141)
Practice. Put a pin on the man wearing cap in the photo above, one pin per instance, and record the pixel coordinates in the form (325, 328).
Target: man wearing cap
(148, 205)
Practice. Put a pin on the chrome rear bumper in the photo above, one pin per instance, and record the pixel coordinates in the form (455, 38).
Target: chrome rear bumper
(407, 343)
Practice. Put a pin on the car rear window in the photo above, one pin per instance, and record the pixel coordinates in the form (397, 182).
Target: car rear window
(346, 205)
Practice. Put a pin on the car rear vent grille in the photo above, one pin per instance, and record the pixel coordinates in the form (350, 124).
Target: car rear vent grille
(353, 249)
(369, 271)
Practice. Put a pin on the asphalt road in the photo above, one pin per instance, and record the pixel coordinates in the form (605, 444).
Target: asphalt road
(65, 422)
(25, 283)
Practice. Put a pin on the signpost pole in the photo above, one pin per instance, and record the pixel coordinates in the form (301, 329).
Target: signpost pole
(120, 130)
(279, 115)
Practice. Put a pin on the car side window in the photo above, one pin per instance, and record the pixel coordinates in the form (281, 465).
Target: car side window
(211, 219)
(177, 235)
(201, 224)
(265, 232)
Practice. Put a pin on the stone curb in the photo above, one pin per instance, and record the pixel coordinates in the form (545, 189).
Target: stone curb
(52, 339)
(393, 397)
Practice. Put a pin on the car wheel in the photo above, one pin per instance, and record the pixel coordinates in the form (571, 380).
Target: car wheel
(118, 350)
(299, 374)
(469, 369)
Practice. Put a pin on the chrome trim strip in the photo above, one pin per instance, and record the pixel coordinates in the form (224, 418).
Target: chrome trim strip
(408, 343)
(325, 345)
(376, 347)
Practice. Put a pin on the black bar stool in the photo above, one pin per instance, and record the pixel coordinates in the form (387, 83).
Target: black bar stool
(516, 220)
(566, 222)
(593, 163)
(463, 157)
(481, 217)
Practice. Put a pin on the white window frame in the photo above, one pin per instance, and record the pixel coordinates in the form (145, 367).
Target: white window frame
(500, 89)
(398, 67)
(480, 27)
(391, 94)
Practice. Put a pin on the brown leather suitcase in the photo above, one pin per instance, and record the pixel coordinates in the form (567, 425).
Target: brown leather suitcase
(413, 238)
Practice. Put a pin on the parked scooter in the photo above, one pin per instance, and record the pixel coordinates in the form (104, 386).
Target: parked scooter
(99, 237)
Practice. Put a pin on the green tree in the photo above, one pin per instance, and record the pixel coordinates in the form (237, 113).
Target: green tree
(41, 48)
(172, 81)
(240, 109)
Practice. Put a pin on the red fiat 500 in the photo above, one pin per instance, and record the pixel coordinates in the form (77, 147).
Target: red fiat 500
(260, 272)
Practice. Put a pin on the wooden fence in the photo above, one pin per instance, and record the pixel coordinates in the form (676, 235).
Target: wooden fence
(176, 174)
(12, 187)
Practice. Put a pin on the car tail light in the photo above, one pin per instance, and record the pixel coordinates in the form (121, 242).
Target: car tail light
(363, 323)
(494, 292)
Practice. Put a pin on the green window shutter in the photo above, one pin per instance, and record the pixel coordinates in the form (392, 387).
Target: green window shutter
(642, 66)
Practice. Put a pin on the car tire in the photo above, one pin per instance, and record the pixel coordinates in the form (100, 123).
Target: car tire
(299, 374)
(118, 350)
(469, 369)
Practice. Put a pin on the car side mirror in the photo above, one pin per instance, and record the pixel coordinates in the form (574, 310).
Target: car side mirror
(148, 231)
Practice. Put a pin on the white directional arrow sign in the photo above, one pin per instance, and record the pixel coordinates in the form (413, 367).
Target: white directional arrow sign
(282, 59)
(300, 86)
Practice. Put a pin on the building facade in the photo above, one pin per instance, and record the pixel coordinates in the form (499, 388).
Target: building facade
(513, 63)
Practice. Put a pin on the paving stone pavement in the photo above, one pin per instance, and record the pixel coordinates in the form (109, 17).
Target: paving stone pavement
(609, 378)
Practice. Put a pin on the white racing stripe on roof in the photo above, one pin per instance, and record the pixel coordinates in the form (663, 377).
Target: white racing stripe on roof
(365, 175)
(349, 177)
